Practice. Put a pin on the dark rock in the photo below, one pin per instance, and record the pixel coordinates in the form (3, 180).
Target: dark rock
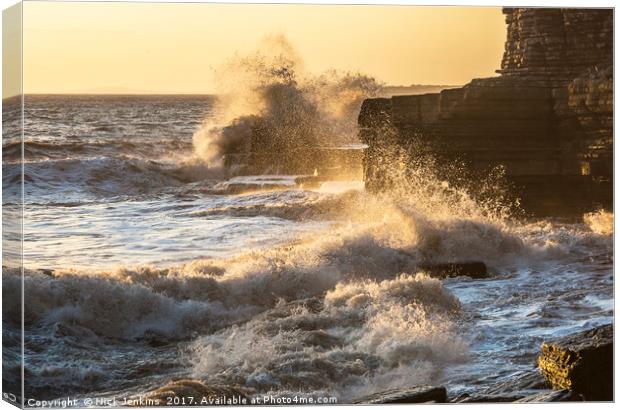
(581, 362)
(518, 386)
(419, 394)
(195, 393)
(47, 272)
(524, 384)
(475, 270)
(486, 398)
(309, 181)
(548, 396)
(547, 120)
(243, 188)
(155, 339)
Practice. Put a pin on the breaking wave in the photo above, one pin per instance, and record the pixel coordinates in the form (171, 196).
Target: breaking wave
(601, 222)
(103, 176)
(275, 115)
(347, 310)
(361, 337)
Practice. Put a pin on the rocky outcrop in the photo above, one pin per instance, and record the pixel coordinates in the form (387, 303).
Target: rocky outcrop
(581, 362)
(485, 398)
(556, 43)
(194, 393)
(418, 394)
(540, 397)
(578, 366)
(547, 118)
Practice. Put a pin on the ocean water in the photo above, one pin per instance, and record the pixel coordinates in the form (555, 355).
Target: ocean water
(140, 268)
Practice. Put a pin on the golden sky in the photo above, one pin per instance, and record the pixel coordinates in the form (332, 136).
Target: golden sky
(173, 48)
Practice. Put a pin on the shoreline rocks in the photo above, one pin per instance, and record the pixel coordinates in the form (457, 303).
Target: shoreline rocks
(521, 384)
(418, 394)
(187, 392)
(577, 367)
(581, 362)
(548, 396)
(547, 119)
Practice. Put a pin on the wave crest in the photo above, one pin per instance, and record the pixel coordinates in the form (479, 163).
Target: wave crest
(356, 341)
(274, 117)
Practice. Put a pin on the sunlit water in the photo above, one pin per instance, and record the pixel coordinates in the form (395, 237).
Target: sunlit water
(159, 274)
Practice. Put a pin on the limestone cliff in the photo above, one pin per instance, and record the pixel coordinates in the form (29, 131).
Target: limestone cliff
(547, 117)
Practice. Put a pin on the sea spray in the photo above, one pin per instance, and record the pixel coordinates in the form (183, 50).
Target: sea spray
(354, 341)
(341, 311)
(372, 237)
(377, 240)
(442, 188)
(290, 301)
(601, 222)
(273, 117)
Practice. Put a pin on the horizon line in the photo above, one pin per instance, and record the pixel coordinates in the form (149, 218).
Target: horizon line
(187, 93)
(103, 94)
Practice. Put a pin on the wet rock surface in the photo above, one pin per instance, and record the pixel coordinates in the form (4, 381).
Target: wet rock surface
(419, 394)
(485, 398)
(522, 384)
(474, 269)
(548, 396)
(581, 362)
(577, 367)
(195, 393)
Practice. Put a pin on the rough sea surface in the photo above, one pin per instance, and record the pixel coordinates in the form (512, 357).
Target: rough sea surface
(140, 269)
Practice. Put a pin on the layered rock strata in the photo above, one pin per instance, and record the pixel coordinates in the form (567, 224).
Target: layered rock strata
(547, 118)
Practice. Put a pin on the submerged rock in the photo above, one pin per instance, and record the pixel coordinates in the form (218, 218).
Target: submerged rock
(473, 269)
(309, 181)
(195, 393)
(581, 362)
(419, 394)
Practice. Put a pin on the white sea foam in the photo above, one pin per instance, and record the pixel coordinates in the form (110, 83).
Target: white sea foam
(358, 339)
(341, 307)
(343, 310)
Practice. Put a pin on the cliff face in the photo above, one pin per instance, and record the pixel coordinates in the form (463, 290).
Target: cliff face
(556, 43)
(547, 118)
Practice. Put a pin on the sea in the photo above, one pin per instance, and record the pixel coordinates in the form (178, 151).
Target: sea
(140, 267)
